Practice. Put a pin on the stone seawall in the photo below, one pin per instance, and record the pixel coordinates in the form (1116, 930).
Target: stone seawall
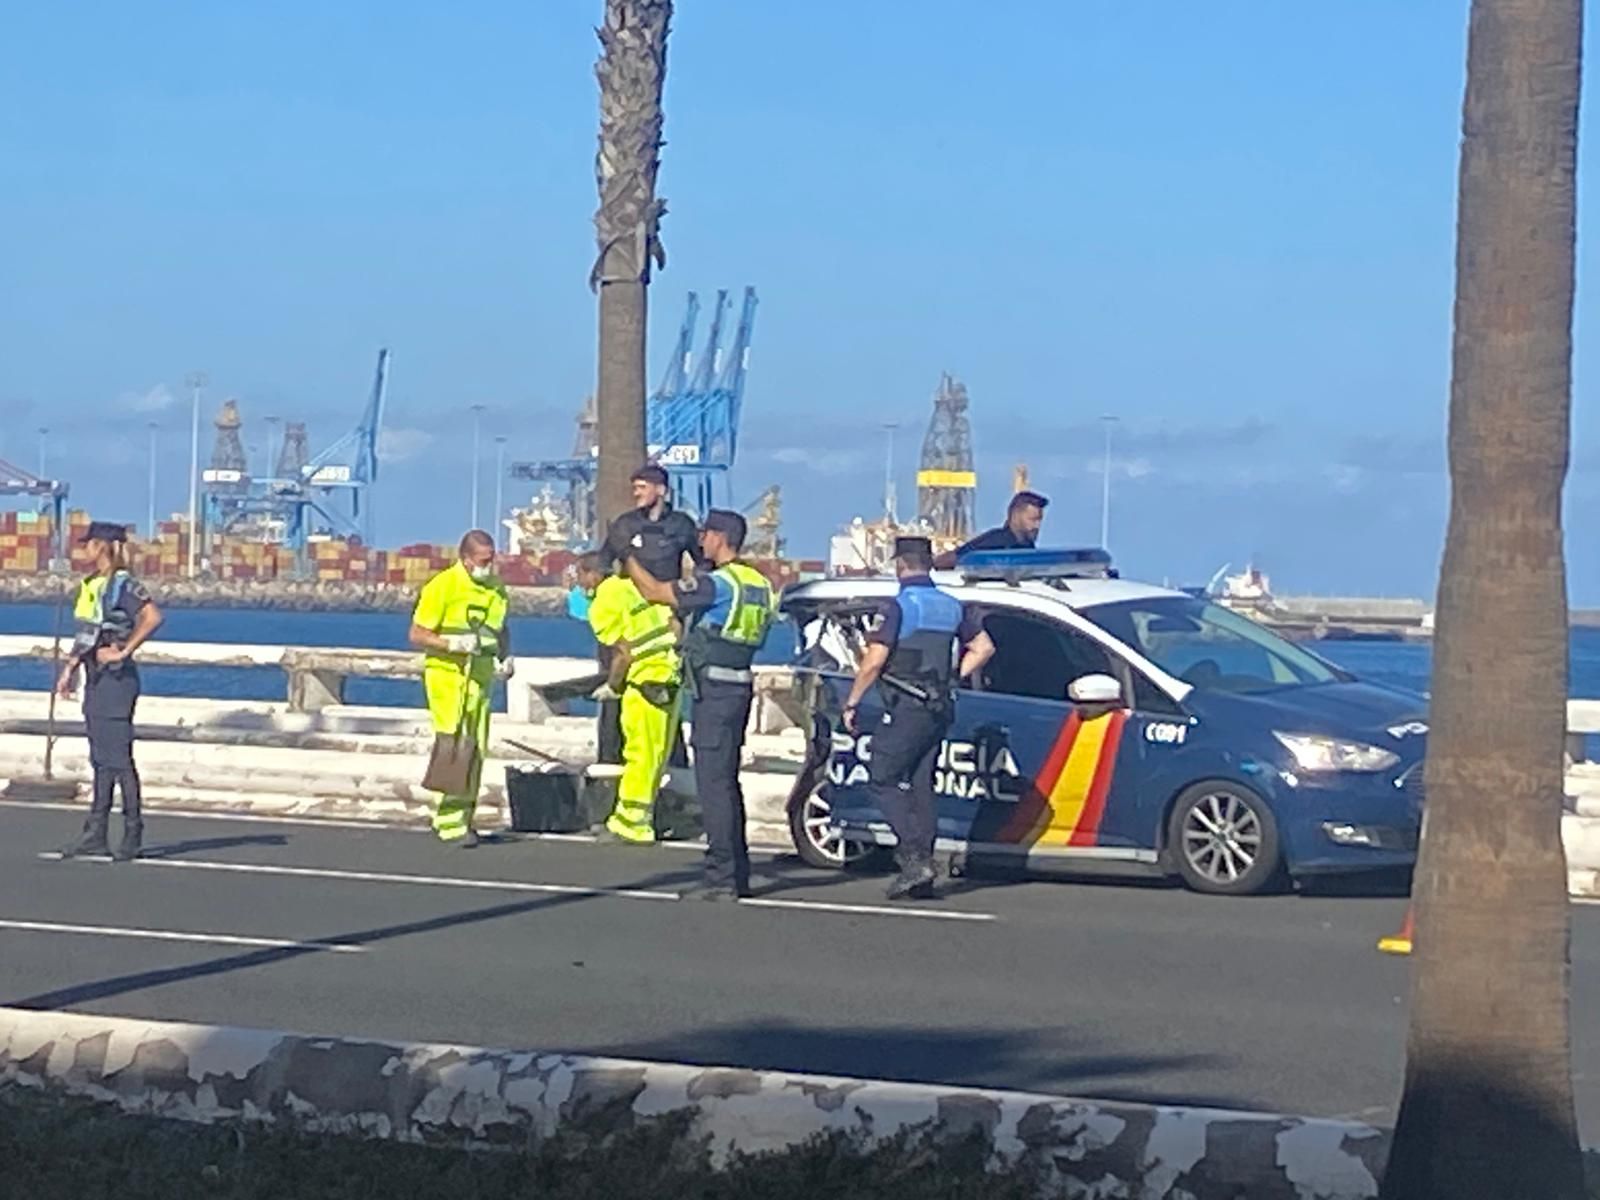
(279, 594)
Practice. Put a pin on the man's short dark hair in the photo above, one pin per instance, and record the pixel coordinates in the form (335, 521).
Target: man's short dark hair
(915, 552)
(729, 524)
(589, 563)
(476, 539)
(1028, 500)
(651, 473)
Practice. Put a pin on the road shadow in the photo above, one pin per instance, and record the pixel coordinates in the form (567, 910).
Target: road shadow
(1369, 885)
(199, 845)
(1056, 1061)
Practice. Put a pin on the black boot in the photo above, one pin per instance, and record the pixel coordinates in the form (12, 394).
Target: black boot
(132, 816)
(915, 880)
(91, 843)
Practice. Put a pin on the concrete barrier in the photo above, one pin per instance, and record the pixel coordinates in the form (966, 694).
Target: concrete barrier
(419, 1092)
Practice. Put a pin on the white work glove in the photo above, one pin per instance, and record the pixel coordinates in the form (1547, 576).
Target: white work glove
(604, 692)
(508, 668)
(460, 643)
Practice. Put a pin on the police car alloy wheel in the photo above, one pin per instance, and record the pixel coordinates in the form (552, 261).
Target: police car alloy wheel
(1223, 840)
(818, 843)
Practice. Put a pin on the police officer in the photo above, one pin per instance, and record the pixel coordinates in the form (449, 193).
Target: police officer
(115, 617)
(728, 610)
(912, 656)
(1024, 519)
(460, 623)
(653, 531)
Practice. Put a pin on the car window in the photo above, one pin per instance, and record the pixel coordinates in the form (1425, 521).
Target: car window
(1208, 646)
(1038, 658)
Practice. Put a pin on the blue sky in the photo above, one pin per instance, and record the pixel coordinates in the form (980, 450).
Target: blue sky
(1229, 224)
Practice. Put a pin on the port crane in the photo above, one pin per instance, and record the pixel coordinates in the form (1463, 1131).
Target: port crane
(14, 481)
(326, 494)
(691, 421)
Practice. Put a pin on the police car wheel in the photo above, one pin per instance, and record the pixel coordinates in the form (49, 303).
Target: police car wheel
(817, 843)
(1223, 841)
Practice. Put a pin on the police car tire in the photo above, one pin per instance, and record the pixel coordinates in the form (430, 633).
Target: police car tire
(855, 856)
(1265, 874)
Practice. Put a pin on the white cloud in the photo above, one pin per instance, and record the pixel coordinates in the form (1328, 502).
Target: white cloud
(154, 400)
(1124, 468)
(1345, 479)
(824, 462)
(401, 445)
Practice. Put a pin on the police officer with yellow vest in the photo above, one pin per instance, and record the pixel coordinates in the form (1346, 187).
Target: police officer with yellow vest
(115, 616)
(460, 623)
(728, 610)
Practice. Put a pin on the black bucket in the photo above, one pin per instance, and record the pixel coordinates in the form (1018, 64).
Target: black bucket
(546, 799)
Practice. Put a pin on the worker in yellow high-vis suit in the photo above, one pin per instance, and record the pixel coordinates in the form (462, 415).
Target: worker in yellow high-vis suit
(645, 671)
(460, 623)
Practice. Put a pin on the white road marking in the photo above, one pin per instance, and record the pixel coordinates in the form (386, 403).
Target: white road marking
(172, 935)
(450, 881)
(871, 910)
(549, 889)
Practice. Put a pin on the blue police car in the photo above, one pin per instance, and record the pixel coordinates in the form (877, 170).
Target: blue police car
(1120, 727)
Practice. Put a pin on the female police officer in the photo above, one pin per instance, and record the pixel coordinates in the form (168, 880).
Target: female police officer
(115, 617)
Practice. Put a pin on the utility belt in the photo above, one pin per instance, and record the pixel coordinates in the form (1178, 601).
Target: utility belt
(923, 693)
(661, 695)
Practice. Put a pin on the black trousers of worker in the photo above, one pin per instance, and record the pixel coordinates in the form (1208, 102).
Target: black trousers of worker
(721, 711)
(905, 750)
(108, 705)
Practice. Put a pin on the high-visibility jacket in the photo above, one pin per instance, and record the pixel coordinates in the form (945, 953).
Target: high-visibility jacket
(454, 602)
(652, 641)
(729, 633)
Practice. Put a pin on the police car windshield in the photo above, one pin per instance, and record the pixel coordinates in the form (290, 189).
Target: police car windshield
(1210, 647)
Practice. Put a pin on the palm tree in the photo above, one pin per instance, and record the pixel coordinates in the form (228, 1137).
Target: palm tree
(1488, 1108)
(631, 71)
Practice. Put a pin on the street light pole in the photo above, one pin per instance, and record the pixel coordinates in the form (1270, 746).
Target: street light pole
(43, 434)
(195, 381)
(272, 429)
(888, 473)
(150, 516)
(477, 453)
(499, 487)
(1105, 488)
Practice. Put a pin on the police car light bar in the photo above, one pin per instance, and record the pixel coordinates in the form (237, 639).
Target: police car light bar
(1013, 566)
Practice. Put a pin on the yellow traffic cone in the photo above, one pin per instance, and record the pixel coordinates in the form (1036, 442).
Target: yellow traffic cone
(1399, 943)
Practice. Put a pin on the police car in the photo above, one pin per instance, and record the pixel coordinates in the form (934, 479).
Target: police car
(1119, 727)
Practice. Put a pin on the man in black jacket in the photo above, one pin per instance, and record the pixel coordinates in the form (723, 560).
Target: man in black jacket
(653, 532)
(1024, 518)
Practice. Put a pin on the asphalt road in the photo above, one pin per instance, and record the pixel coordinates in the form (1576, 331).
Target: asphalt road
(1100, 990)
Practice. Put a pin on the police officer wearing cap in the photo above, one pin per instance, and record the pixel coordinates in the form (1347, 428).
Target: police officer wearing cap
(115, 617)
(653, 531)
(912, 657)
(728, 610)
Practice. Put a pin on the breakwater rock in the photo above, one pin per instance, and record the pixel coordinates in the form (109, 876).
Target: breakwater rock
(293, 595)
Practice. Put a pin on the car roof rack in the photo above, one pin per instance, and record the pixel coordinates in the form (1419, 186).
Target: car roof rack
(1014, 566)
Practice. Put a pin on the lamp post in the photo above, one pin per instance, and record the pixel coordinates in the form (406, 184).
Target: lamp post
(150, 515)
(1105, 488)
(272, 430)
(44, 434)
(477, 454)
(195, 381)
(499, 487)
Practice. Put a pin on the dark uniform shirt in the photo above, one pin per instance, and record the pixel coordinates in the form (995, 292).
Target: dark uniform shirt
(659, 545)
(111, 690)
(1001, 538)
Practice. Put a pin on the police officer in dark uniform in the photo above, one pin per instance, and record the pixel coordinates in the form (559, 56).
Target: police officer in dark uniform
(115, 617)
(728, 609)
(912, 656)
(653, 531)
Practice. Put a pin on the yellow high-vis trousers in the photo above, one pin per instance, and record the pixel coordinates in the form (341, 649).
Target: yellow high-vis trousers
(444, 686)
(647, 735)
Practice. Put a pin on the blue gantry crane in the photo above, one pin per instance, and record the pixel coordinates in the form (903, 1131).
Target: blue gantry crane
(691, 422)
(14, 481)
(325, 495)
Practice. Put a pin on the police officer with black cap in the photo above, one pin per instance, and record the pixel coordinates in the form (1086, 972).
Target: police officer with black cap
(115, 617)
(728, 610)
(912, 655)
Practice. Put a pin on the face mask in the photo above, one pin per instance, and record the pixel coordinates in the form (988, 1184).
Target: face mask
(480, 573)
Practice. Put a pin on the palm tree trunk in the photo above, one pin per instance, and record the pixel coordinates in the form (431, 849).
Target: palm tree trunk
(631, 71)
(1488, 1108)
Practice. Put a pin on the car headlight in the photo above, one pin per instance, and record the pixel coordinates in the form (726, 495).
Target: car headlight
(1313, 752)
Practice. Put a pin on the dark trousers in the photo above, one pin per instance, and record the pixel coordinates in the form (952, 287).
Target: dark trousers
(721, 711)
(111, 755)
(905, 749)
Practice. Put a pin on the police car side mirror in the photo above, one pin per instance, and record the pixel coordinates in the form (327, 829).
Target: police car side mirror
(1094, 689)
